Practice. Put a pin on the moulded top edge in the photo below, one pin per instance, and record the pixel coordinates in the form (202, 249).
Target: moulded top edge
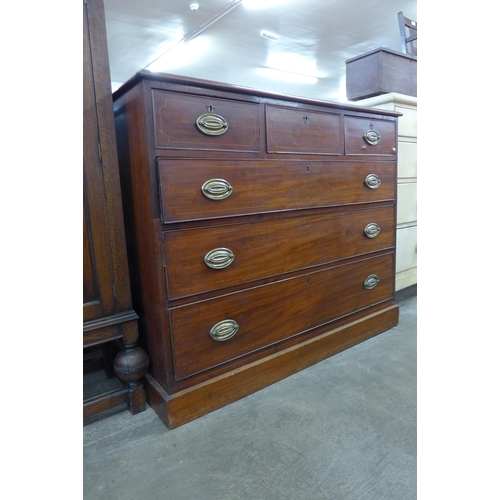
(382, 49)
(226, 87)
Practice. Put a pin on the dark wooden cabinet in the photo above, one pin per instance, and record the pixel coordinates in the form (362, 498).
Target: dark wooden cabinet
(261, 233)
(108, 316)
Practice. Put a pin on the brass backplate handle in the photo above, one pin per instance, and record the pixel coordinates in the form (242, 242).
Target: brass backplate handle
(371, 137)
(216, 189)
(212, 124)
(371, 282)
(224, 330)
(373, 181)
(219, 258)
(372, 230)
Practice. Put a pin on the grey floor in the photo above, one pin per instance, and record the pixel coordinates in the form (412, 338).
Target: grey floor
(345, 428)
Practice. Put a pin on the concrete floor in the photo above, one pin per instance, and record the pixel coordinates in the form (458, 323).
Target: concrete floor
(343, 429)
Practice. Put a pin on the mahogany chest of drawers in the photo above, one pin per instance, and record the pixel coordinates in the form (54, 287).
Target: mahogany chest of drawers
(260, 232)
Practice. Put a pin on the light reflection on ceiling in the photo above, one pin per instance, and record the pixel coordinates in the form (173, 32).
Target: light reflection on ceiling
(315, 38)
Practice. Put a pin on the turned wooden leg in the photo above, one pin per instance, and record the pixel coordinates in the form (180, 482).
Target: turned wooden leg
(131, 365)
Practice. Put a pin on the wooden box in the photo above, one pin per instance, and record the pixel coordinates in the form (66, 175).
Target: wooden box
(379, 72)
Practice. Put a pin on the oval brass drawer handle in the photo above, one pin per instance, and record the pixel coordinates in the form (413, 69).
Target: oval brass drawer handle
(224, 330)
(371, 282)
(212, 124)
(372, 230)
(217, 189)
(371, 137)
(373, 181)
(219, 258)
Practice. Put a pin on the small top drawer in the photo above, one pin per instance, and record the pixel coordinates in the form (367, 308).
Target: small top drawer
(367, 136)
(301, 131)
(184, 121)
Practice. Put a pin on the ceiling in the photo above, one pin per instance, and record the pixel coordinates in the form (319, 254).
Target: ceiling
(316, 37)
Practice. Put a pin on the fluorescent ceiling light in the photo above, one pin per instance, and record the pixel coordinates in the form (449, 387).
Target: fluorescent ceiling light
(269, 35)
(288, 76)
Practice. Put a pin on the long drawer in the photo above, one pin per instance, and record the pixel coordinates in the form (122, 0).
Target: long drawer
(195, 190)
(200, 260)
(214, 331)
